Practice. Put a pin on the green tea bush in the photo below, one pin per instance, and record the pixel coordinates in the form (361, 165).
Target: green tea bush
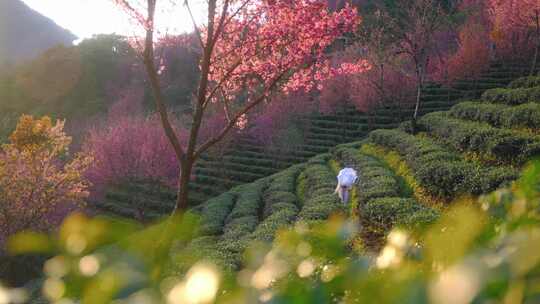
(525, 82)
(512, 96)
(499, 115)
(321, 159)
(319, 200)
(319, 180)
(428, 160)
(321, 207)
(280, 197)
(215, 212)
(267, 229)
(504, 145)
(280, 204)
(249, 200)
(441, 172)
(275, 207)
(382, 214)
(284, 181)
(239, 227)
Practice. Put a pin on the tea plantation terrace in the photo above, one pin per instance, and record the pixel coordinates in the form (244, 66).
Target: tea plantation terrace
(248, 160)
(406, 179)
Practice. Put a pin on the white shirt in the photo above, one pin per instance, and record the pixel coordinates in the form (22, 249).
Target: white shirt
(347, 177)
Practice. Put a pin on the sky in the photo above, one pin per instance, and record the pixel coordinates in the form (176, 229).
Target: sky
(86, 18)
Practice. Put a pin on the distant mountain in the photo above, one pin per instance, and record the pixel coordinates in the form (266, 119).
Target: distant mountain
(25, 33)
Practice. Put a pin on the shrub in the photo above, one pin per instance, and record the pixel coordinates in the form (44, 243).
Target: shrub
(319, 202)
(447, 180)
(275, 207)
(284, 181)
(215, 213)
(280, 201)
(39, 182)
(477, 111)
(267, 229)
(505, 145)
(249, 201)
(414, 150)
(384, 213)
(440, 172)
(131, 148)
(525, 82)
(239, 227)
(410, 185)
(320, 159)
(280, 197)
(512, 96)
(321, 207)
(499, 115)
(494, 178)
(209, 249)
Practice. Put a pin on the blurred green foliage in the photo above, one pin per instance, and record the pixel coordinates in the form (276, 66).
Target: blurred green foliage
(482, 251)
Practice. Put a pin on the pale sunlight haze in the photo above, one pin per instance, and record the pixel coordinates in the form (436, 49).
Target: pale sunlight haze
(86, 18)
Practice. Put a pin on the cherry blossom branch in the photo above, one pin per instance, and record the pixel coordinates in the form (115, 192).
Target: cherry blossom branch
(195, 26)
(209, 143)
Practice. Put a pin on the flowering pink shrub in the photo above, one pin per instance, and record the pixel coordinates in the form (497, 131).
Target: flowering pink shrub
(472, 57)
(471, 54)
(131, 148)
(365, 86)
(516, 29)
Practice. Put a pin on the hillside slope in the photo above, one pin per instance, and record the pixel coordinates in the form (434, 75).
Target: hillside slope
(24, 33)
(248, 160)
(405, 179)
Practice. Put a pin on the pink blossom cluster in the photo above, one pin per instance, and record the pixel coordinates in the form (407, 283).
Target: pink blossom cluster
(514, 24)
(262, 44)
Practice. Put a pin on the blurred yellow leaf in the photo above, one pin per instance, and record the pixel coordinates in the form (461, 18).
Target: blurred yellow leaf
(450, 238)
(29, 242)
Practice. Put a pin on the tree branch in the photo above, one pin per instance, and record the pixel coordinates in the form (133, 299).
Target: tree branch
(209, 143)
(195, 27)
(148, 57)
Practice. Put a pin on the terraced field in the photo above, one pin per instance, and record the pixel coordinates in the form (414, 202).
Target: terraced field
(249, 161)
(406, 179)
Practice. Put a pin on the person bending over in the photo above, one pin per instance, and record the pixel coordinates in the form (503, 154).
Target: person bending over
(347, 177)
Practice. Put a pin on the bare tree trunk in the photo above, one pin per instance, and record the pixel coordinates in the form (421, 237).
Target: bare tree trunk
(419, 86)
(182, 199)
(416, 108)
(148, 58)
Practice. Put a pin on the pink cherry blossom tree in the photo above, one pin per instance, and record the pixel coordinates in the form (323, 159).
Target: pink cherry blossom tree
(414, 25)
(517, 19)
(250, 50)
